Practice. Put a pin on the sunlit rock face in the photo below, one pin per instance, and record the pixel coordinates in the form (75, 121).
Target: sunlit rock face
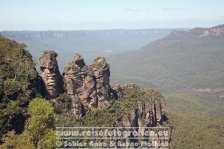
(101, 70)
(150, 112)
(90, 83)
(87, 85)
(74, 76)
(147, 113)
(50, 74)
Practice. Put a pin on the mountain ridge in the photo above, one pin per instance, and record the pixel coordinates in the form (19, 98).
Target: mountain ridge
(198, 32)
(177, 63)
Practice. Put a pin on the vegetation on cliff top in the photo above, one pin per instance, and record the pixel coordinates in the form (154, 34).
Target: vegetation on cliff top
(107, 117)
(16, 62)
(18, 80)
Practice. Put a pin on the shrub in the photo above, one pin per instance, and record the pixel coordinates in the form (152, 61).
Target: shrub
(11, 85)
(41, 122)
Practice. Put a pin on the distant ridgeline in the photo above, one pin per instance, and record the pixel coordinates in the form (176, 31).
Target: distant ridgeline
(199, 32)
(190, 59)
(91, 43)
(81, 95)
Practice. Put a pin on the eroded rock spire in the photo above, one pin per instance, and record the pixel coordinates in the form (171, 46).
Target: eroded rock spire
(88, 86)
(50, 74)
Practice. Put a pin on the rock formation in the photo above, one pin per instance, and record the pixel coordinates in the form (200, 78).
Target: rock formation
(89, 84)
(118, 91)
(74, 75)
(89, 89)
(101, 70)
(148, 113)
(50, 74)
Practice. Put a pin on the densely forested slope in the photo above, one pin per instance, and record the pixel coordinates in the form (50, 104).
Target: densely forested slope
(197, 120)
(19, 82)
(174, 63)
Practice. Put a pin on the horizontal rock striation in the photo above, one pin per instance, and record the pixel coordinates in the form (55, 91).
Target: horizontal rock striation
(50, 74)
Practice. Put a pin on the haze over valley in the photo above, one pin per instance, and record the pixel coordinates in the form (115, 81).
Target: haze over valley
(89, 43)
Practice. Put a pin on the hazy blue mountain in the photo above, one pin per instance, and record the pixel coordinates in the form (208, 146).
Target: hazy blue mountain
(182, 60)
(89, 43)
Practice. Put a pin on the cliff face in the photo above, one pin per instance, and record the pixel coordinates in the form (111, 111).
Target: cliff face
(88, 86)
(214, 31)
(50, 74)
(101, 71)
(149, 112)
(74, 76)
(199, 32)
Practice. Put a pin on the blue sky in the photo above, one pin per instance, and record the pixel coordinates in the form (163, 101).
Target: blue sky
(109, 14)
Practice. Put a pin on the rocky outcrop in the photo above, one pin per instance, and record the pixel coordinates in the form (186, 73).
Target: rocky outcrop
(89, 89)
(101, 70)
(50, 74)
(145, 114)
(150, 112)
(214, 31)
(118, 90)
(199, 32)
(89, 84)
(74, 75)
